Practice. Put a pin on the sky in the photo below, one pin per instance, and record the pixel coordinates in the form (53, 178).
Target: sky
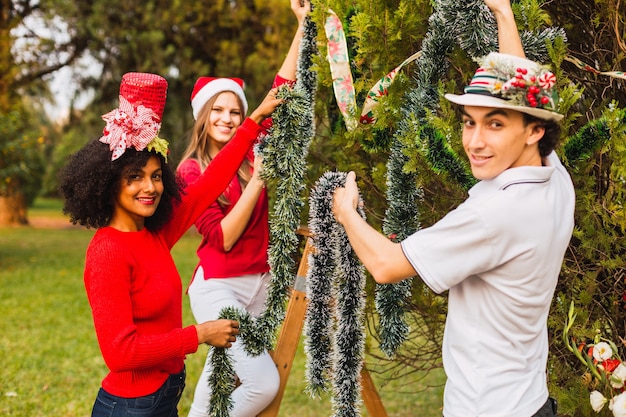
(63, 90)
(61, 86)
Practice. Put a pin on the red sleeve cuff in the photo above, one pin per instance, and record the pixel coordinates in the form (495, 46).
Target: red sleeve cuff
(278, 81)
(190, 340)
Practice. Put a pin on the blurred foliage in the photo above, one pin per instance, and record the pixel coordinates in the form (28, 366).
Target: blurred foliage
(22, 154)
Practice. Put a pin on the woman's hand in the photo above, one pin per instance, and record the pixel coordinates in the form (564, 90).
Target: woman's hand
(301, 9)
(257, 169)
(219, 333)
(267, 106)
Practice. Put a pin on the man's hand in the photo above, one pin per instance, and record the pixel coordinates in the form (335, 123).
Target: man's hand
(509, 41)
(346, 198)
(499, 6)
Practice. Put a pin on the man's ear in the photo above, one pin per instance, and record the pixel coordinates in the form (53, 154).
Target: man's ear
(537, 131)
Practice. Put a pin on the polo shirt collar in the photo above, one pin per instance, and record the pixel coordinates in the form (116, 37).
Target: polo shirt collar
(512, 176)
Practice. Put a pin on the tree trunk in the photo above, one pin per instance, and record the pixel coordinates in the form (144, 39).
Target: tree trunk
(13, 208)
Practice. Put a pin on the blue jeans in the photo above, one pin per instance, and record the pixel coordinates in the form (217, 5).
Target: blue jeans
(162, 403)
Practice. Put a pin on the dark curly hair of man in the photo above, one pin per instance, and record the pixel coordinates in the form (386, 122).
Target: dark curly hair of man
(551, 136)
(90, 182)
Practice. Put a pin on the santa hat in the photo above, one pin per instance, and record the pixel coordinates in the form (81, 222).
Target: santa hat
(207, 87)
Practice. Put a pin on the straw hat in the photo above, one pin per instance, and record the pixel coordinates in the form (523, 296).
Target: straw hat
(510, 82)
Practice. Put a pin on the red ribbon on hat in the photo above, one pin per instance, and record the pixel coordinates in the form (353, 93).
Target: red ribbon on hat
(129, 126)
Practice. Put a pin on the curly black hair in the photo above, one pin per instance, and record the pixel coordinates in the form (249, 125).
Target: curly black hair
(551, 136)
(90, 182)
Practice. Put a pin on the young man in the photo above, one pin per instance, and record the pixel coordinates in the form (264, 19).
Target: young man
(500, 252)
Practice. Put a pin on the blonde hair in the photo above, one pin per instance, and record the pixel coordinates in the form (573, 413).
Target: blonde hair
(198, 147)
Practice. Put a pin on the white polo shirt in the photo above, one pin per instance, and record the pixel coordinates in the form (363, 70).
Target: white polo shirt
(499, 254)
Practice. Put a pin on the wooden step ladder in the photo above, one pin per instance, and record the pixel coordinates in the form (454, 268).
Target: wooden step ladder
(289, 338)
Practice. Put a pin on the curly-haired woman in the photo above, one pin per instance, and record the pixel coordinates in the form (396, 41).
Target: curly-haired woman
(122, 185)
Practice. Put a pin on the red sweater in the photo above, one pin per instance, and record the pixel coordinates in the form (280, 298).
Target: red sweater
(249, 254)
(135, 291)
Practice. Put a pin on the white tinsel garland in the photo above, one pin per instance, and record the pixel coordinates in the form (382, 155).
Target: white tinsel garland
(334, 324)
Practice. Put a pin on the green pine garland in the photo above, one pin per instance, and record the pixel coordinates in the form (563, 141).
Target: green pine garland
(334, 324)
(587, 141)
(401, 217)
(442, 159)
(284, 151)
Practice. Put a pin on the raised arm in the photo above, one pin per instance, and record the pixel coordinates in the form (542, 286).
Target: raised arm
(384, 259)
(289, 66)
(235, 222)
(509, 41)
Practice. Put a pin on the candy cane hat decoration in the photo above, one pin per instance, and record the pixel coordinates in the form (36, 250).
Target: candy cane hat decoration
(510, 82)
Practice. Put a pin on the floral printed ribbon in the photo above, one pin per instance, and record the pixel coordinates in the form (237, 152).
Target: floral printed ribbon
(340, 69)
(128, 126)
(380, 89)
(342, 76)
(589, 68)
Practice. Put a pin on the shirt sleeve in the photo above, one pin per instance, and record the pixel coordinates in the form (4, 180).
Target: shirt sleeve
(200, 194)
(124, 348)
(209, 223)
(210, 227)
(188, 171)
(459, 245)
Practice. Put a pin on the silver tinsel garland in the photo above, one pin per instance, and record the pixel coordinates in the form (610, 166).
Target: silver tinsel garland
(334, 325)
(284, 152)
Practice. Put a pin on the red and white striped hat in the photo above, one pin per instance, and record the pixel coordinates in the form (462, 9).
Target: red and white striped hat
(207, 87)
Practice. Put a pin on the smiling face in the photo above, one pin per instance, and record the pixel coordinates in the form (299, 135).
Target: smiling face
(225, 117)
(139, 194)
(498, 139)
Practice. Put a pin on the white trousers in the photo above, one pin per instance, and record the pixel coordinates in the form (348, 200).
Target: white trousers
(257, 374)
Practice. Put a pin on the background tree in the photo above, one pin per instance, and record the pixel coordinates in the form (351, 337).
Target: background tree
(27, 55)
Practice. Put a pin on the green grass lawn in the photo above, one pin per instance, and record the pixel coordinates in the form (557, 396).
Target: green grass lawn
(50, 364)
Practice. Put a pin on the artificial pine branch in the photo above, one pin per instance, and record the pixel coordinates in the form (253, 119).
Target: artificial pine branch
(335, 278)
